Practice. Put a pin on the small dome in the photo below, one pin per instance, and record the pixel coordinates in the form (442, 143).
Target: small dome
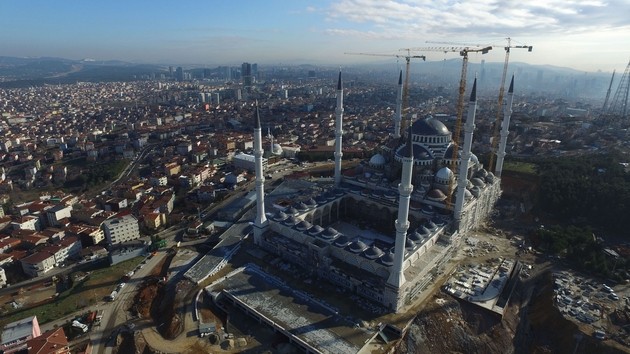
(438, 221)
(467, 195)
(311, 202)
(475, 191)
(478, 182)
(482, 173)
(373, 252)
(301, 206)
(387, 259)
(291, 220)
(410, 245)
(280, 216)
(429, 126)
(423, 231)
(330, 196)
(291, 210)
(444, 174)
(415, 237)
(469, 184)
(320, 199)
(357, 246)
(428, 210)
(377, 160)
(339, 192)
(431, 226)
(303, 225)
(436, 195)
(329, 233)
(315, 230)
(490, 177)
(342, 241)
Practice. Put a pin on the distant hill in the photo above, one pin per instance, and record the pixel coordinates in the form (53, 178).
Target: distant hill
(22, 72)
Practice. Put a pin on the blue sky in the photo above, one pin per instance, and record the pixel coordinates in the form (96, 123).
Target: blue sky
(587, 35)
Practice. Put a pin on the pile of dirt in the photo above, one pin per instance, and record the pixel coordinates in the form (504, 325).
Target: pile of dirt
(467, 328)
(173, 307)
(145, 297)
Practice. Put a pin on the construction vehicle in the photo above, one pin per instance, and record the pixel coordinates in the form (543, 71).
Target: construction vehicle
(463, 52)
(407, 58)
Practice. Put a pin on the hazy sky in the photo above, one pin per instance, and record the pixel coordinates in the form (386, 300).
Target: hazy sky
(583, 34)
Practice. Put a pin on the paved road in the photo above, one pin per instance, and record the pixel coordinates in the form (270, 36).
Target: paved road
(115, 313)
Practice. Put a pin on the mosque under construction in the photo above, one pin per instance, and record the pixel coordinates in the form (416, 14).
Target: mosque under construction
(381, 227)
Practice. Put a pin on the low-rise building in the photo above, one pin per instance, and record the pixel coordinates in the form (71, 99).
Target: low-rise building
(38, 263)
(121, 229)
(16, 334)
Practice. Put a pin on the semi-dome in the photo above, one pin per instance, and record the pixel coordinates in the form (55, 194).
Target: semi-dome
(377, 160)
(444, 174)
(373, 252)
(473, 158)
(436, 195)
(429, 126)
(358, 246)
(449, 152)
(419, 152)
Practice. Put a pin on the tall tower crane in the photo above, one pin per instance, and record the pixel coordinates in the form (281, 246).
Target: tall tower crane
(608, 92)
(407, 58)
(497, 122)
(463, 52)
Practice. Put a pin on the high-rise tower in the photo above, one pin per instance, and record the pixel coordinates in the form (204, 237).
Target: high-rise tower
(397, 277)
(462, 178)
(338, 131)
(505, 125)
(260, 223)
(399, 100)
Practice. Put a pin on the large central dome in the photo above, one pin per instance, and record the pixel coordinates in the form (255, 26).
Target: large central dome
(429, 126)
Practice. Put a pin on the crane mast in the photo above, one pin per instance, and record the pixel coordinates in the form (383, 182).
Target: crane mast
(608, 92)
(463, 52)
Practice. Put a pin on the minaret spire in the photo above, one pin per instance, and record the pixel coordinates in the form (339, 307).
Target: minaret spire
(338, 131)
(462, 177)
(505, 125)
(398, 114)
(260, 223)
(397, 276)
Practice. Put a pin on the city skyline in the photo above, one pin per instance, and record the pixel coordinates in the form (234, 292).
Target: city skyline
(587, 35)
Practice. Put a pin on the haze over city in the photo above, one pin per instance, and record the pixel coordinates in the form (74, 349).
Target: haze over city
(586, 35)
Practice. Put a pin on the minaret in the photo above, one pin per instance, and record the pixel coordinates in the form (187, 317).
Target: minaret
(338, 131)
(260, 223)
(462, 177)
(505, 124)
(398, 114)
(397, 277)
